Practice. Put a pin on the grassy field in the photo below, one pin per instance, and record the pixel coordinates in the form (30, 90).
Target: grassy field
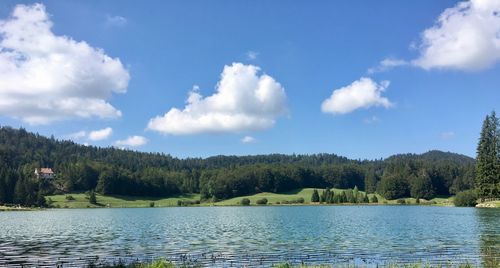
(490, 204)
(306, 193)
(5, 208)
(116, 201)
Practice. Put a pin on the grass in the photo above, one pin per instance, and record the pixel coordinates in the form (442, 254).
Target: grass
(306, 193)
(5, 208)
(119, 201)
(490, 204)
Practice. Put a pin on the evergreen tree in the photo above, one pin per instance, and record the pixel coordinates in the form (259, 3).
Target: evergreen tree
(315, 196)
(92, 197)
(355, 194)
(343, 197)
(329, 196)
(322, 198)
(371, 181)
(421, 186)
(488, 163)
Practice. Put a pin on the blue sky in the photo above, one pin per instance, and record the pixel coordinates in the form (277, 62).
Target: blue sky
(442, 77)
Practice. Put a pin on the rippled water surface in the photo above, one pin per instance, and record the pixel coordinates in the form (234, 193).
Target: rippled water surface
(255, 236)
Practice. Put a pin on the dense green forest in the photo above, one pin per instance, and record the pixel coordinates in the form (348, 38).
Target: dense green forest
(125, 172)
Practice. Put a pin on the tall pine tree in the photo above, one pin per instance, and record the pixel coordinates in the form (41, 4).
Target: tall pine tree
(488, 159)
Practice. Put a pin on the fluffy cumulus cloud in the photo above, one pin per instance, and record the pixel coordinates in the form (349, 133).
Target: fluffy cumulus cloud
(132, 141)
(45, 77)
(101, 134)
(244, 101)
(465, 37)
(363, 93)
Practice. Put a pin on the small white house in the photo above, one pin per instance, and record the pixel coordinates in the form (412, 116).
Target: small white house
(44, 173)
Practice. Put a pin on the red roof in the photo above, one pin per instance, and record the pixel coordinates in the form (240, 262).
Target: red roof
(46, 171)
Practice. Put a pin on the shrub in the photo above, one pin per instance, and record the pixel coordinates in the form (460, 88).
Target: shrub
(69, 198)
(152, 204)
(374, 199)
(465, 199)
(245, 202)
(315, 196)
(300, 200)
(262, 201)
(92, 198)
(401, 201)
(187, 202)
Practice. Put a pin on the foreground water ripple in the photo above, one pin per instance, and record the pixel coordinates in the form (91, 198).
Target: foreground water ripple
(252, 236)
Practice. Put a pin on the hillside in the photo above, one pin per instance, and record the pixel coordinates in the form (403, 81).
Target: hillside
(124, 172)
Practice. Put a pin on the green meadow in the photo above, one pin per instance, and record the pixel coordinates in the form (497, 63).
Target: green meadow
(80, 200)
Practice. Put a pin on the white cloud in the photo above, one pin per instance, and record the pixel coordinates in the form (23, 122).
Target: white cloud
(77, 135)
(387, 64)
(45, 78)
(243, 101)
(252, 55)
(117, 21)
(132, 141)
(101, 134)
(363, 93)
(447, 135)
(465, 37)
(248, 139)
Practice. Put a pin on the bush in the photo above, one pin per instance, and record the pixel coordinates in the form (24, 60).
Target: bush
(187, 202)
(465, 199)
(300, 200)
(262, 201)
(152, 204)
(401, 201)
(92, 198)
(245, 202)
(315, 196)
(374, 199)
(69, 198)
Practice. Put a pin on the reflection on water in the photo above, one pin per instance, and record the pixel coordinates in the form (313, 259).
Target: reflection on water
(489, 236)
(254, 236)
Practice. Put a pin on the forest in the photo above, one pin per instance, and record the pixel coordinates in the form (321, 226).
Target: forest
(112, 171)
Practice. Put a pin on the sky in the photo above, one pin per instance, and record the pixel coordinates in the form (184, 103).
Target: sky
(361, 79)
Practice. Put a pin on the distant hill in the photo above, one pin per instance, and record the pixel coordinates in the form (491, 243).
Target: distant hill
(116, 171)
(435, 156)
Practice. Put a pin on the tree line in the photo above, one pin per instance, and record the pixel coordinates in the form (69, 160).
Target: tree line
(115, 171)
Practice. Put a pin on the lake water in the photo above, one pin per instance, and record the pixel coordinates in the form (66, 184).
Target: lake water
(254, 236)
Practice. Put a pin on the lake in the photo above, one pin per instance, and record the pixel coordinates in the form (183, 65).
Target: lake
(255, 236)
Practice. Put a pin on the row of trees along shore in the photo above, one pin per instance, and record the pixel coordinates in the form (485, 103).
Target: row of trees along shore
(346, 196)
(114, 171)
